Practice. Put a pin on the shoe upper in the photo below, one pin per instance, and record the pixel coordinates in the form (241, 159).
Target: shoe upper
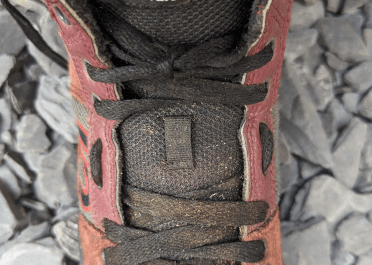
(182, 151)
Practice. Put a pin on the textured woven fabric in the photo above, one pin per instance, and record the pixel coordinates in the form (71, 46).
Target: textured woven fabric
(215, 148)
(194, 22)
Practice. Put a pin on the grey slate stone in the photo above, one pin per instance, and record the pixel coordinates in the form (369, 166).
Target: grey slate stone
(347, 152)
(34, 6)
(310, 246)
(64, 214)
(5, 116)
(22, 97)
(38, 211)
(334, 62)
(341, 256)
(18, 167)
(49, 31)
(367, 150)
(365, 259)
(365, 106)
(342, 89)
(67, 235)
(30, 233)
(342, 39)
(309, 170)
(10, 182)
(7, 63)
(12, 37)
(12, 216)
(352, 5)
(33, 161)
(288, 172)
(2, 152)
(55, 184)
(283, 150)
(54, 105)
(31, 135)
(303, 16)
(322, 89)
(355, 234)
(310, 2)
(334, 6)
(287, 91)
(298, 42)
(300, 144)
(299, 200)
(312, 58)
(329, 124)
(325, 189)
(360, 77)
(35, 205)
(351, 102)
(339, 114)
(367, 34)
(367, 10)
(32, 254)
(305, 136)
(356, 21)
(47, 241)
(34, 72)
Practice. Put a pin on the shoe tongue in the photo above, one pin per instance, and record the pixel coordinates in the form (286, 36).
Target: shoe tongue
(185, 22)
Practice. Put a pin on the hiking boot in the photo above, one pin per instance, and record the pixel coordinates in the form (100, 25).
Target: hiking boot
(175, 106)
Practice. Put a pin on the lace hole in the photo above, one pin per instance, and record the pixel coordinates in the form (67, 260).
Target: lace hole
(61, 16)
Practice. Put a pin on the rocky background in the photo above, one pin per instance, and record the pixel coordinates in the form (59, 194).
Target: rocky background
(325, 140)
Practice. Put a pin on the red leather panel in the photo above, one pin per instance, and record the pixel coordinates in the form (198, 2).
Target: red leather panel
(277, 24)
(270, 233)
(93, 242)
(263, 187)
(80, 47)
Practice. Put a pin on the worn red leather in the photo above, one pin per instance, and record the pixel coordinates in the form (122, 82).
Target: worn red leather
(270, 233)
(92, 242)
(81, 48)
(262, 188)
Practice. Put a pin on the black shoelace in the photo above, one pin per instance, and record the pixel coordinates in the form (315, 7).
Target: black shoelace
(166, 76)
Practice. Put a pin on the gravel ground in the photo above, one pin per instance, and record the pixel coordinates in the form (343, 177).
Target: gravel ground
(325, 140)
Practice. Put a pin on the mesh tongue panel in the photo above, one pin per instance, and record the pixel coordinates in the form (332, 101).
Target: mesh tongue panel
(190, 23)
(215, 147)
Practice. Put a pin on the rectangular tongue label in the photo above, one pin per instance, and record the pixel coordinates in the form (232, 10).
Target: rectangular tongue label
(178, 142)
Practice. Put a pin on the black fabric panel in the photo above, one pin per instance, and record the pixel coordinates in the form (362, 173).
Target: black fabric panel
(267, 142)
(192, 22)
(96, 162)
(216, 148)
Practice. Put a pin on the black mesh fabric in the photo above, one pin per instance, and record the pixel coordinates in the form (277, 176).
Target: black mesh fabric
(190, 23)
(215, 146)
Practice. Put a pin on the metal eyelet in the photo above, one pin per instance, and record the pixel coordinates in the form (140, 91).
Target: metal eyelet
(61, 16)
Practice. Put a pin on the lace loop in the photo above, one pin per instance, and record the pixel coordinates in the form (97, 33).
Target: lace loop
(165, 67)
(196, 212)
(171, 244)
